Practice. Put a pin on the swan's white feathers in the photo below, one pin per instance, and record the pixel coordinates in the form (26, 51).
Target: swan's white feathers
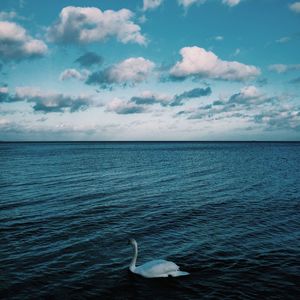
(157, 268)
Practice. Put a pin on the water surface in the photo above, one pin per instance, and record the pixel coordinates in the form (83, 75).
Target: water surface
(229, 213)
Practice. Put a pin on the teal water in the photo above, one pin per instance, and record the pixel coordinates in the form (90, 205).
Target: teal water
(228, 213)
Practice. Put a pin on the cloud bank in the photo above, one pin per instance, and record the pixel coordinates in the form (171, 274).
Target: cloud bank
(252, 106)
(141, 103)
(47, 102)
(282, 68)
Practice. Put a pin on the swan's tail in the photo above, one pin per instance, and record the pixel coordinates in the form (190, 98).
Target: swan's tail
(178, 273)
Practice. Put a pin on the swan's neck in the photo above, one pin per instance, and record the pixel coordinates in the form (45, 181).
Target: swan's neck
(133, 262)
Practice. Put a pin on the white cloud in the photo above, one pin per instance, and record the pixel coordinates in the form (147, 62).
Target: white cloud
(4, 121)
(231, 2)
(73, 73)
(90, 24)
(7, 15)
(295, 7)
(237, 52)
(250, 92)
(244, 104)
(199, 62)
(138, 104)
(16, 44)
(282, 68)
(188, 3)
(151, 4)
(131, 70)
(3, 90)
(160, 97)
(47, 102)
(150, 98)
(4, 96)
(123, 107)
(283, 40)
(218, 38)
(142, 19)
(248, 95)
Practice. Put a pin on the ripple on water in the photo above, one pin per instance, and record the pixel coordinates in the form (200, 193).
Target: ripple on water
(226, 212)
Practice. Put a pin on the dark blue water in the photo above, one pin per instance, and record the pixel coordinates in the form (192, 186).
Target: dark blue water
(228, 213)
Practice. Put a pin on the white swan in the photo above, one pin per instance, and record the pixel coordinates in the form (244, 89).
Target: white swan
(154, 268)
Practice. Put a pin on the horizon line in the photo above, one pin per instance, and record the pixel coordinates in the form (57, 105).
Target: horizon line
(152, 141)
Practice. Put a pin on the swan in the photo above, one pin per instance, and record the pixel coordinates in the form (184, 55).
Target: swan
(154, 268)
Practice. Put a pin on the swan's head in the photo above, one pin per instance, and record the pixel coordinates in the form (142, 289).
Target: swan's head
(132, 242)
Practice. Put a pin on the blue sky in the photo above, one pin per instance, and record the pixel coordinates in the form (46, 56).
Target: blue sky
(149, 70)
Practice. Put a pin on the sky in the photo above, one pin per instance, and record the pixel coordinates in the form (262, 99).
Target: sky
(149, 70)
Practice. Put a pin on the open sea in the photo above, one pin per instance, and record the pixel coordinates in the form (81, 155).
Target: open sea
(228, 213)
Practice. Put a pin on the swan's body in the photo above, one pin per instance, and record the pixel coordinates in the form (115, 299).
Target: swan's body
(154, 268)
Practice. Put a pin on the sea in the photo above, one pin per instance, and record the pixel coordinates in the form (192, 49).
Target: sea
(226, 212)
